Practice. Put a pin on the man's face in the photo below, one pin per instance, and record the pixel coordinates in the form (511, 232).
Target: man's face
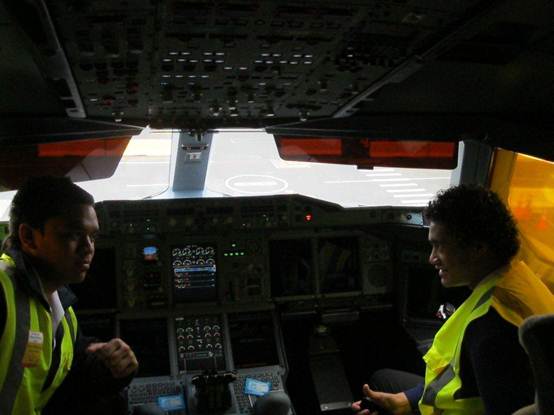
(64, 249)
(453, 261)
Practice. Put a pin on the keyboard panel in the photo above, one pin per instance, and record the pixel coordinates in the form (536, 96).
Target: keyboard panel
(140, 393)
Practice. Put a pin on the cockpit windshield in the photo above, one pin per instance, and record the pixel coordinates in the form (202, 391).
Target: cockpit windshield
(247, 163)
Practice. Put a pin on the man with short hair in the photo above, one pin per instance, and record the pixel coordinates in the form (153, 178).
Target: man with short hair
(476, 364)
(51, 243)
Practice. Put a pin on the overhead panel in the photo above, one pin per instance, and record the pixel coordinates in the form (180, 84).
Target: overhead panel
(200, 64)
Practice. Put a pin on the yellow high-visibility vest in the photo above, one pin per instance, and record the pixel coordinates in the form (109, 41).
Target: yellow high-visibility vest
(26, 390)
(515, 293)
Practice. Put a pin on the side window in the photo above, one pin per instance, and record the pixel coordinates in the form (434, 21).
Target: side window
(530, 196)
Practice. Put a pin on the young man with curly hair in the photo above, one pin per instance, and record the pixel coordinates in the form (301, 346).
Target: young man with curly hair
(476, 364)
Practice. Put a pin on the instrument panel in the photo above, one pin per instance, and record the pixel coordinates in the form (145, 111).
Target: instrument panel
(199, 286)
(171, 254)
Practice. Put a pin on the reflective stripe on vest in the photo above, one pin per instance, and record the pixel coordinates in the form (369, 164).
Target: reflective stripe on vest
(52, 372)
(69, 318)
(448, 374)
(27, 390)
(15, 299)
(515, 292)
(433, 388)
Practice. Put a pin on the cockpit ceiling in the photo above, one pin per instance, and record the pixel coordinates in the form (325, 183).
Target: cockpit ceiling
(204, 64)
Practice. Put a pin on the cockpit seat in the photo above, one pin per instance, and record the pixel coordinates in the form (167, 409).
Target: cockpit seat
(536, 335)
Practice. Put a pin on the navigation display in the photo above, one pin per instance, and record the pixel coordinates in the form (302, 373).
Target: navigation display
(98, 290)
(194, 272)
(253, 340)
(148, 339)
(339, 265)
(291, 267)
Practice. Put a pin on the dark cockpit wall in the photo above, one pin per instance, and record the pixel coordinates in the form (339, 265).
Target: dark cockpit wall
(276, 308)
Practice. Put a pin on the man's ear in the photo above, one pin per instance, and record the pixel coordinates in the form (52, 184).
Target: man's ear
(27, 238)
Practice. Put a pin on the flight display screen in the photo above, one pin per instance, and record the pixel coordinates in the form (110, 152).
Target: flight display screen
(339, 265)
(194, 272)
(253, 340)
(149, 340)
(292, 271)
(98, 290)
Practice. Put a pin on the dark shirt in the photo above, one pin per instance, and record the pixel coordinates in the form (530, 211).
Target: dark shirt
(493, 365)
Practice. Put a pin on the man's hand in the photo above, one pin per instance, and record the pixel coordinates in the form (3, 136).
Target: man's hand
(395, 403)
(116, 356)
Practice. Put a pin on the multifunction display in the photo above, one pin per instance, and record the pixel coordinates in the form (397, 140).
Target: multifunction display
(194, 272)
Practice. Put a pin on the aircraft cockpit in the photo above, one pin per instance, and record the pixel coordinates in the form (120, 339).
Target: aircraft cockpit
(260, 171)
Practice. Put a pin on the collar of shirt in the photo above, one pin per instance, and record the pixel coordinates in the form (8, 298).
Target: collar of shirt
(28, 278)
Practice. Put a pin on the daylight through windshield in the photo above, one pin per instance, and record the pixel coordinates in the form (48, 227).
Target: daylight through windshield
(246, 163)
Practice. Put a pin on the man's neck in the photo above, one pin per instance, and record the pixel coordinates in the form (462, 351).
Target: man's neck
(48, 282)
(48, 289)
(486, 269)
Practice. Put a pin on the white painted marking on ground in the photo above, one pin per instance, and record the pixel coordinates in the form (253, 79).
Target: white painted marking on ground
(383, 180)
(406, 190)
(398, 185)
(416, 195)
(349, 181)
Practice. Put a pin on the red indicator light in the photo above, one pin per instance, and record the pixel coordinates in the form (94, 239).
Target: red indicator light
(308, 217)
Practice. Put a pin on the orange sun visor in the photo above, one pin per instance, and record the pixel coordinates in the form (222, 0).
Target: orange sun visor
(79, 159)
(366, 153)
